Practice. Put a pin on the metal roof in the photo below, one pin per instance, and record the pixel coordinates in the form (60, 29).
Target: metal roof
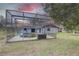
(20, 14)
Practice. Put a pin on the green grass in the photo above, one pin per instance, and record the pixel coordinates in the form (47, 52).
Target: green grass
(2, 33)
(65, 44)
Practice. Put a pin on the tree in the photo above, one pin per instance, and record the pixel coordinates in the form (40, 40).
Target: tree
(65, 14)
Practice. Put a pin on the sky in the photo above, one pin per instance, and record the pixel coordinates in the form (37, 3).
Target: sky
(24, 7)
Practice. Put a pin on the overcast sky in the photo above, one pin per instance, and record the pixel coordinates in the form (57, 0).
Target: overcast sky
(35, 8)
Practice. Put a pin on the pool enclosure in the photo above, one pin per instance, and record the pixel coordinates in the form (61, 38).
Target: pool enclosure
(29, 25)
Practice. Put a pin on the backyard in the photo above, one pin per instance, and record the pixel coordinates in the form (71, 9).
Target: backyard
(65, 44)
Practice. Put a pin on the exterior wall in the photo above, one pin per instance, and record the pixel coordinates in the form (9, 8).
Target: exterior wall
(28, 30)
(42, 30)
(45, 30)
(52, 30)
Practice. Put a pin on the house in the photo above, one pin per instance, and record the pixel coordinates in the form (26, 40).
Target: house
(38, 27)
(30, 25)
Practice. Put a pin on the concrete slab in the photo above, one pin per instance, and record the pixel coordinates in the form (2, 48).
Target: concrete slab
(18, 38)
(48, 36)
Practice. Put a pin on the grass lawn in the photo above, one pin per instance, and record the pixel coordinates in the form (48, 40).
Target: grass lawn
(65, 44)
(2, 33)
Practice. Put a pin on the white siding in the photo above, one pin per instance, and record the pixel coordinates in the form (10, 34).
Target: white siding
(40, 31)
(45, 31)
(52, 30)
(29, 30)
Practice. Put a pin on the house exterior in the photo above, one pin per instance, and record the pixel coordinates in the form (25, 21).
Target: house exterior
(25, 25)
(38, 27)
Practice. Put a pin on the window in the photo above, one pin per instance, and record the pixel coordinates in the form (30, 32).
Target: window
(33, 30)
(48, 29)
(25, 29)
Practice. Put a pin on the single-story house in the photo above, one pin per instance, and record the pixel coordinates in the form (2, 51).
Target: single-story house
(38, 27)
